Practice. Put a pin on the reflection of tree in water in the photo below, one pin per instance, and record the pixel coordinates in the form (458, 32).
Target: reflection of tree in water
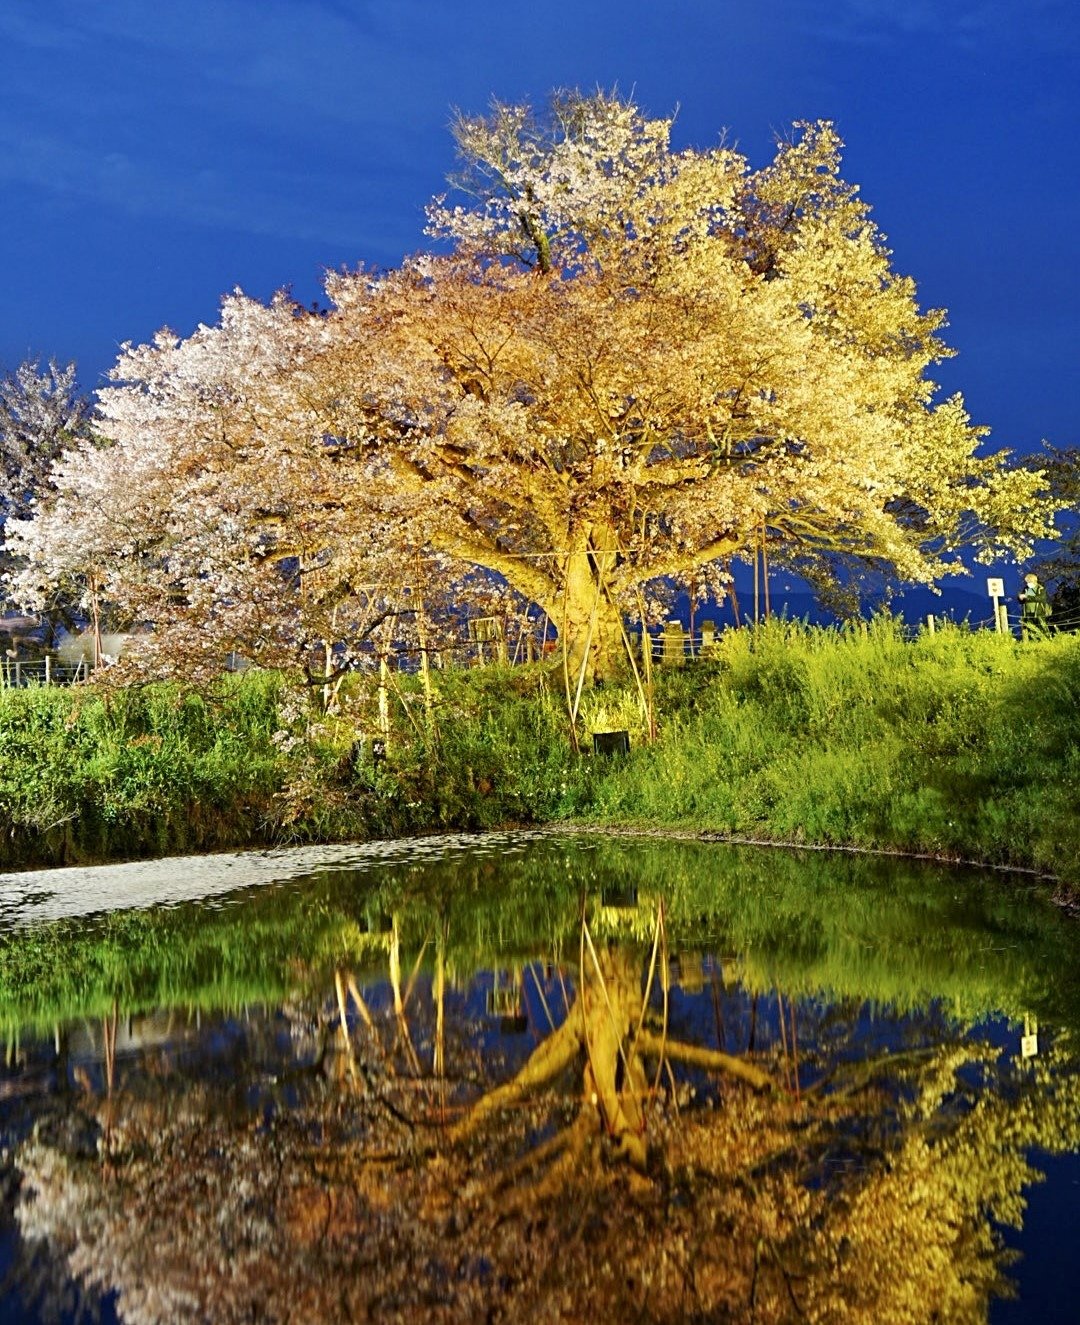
(578, 1185)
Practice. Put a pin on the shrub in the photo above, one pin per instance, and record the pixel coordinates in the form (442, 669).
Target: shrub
(959, 743)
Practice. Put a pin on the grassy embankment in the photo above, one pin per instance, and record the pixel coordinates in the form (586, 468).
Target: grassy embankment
(959, 744)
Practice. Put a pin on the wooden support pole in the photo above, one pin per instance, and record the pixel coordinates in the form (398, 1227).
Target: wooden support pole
(425, 667)
(765, 572)
(384, 699)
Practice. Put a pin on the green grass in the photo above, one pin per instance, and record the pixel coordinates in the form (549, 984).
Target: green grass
(959, 744)
(86, 775)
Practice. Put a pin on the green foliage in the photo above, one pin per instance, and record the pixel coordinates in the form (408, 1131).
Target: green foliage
(960, 744)
(145, 771)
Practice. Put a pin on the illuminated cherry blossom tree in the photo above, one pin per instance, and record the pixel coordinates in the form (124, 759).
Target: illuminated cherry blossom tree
(41, 412)
(634, 364)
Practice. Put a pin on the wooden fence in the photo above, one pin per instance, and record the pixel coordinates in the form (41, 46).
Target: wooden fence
(493, 640)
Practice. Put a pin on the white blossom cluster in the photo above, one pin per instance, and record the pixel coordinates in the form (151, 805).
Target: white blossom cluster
(41, 411)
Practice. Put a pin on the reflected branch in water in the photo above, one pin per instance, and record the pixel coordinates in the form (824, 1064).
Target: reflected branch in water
(346, 1037)
(543, 998)
(361, 1004)
(242, 1187)
(403, 1037)
(552, 1056)
(711, 1060)
(205, 1218)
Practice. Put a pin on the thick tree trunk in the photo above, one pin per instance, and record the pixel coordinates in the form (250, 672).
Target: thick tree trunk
(604, 1027)
(589, 625)
(600, 1025)
(614, 1078)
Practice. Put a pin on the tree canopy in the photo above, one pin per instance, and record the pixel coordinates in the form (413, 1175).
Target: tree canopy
(622, 366)
(1060, 566)
(41, 412)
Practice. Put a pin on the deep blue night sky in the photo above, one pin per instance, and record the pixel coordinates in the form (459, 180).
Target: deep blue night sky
(155, 156)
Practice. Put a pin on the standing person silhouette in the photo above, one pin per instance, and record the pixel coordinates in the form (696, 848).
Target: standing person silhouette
(1034, 609)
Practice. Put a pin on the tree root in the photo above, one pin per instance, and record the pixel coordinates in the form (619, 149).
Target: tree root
(712, 1060)
(546, 1062)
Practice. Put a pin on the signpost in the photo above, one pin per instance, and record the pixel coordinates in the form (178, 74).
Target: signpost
(1029, 1041)
(996, 589)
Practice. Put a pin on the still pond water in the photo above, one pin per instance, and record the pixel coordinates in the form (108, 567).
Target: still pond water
(537, 1077)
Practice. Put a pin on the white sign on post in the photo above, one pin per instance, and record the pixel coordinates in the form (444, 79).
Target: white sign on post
(996, 589)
